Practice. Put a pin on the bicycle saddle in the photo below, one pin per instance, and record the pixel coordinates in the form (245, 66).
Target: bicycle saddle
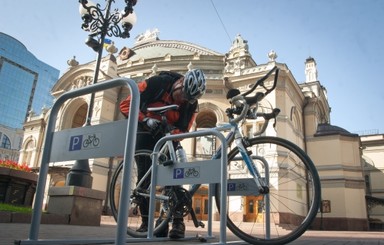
(162, 109)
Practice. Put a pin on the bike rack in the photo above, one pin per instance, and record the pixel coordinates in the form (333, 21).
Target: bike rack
(172, 175)
(110, 135)
(251, 185)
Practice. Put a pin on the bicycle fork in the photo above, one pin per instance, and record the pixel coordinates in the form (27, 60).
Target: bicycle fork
(262, 186)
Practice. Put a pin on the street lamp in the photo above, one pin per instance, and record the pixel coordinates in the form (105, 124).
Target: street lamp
(100, 22)
(100, 25)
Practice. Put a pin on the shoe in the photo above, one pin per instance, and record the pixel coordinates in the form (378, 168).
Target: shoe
(143, 227)
(164, 232)
(178, 230)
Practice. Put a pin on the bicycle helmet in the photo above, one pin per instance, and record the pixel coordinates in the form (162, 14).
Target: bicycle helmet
(194, 84)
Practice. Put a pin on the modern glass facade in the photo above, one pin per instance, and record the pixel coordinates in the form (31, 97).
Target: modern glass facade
(25, 82)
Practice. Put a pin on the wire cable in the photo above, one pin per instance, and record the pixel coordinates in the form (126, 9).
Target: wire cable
(222, 23)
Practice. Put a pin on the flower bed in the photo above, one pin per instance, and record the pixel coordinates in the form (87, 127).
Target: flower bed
(14, 165)
(17, 183)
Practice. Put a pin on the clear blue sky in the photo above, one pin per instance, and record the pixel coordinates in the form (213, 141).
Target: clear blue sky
(345, 37)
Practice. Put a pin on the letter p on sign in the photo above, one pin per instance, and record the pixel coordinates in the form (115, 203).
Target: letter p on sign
(75, 143)
(178, 173)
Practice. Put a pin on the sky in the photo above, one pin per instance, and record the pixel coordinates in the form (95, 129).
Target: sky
(345, 37)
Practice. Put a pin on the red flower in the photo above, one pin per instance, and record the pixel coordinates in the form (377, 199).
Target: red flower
(14, 165)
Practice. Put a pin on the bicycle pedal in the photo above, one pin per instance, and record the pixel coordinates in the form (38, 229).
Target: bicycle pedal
(201, 224)
(201, 238)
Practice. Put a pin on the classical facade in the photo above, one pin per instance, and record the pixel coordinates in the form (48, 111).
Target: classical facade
(304, 117)
(373, 169)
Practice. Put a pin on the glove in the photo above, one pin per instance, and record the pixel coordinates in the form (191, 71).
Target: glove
(151, 123)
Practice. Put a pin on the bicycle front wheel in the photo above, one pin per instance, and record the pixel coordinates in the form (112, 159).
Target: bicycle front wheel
(138, 200)
(292, 203)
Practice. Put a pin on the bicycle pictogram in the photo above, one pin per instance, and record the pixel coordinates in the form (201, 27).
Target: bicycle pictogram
(92, 140)
(192, 172)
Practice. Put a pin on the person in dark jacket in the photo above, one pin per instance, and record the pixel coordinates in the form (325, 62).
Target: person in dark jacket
(167, 88)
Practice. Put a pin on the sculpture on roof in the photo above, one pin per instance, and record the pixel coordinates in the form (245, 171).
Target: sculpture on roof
(272, 56)
(236, 59)
(239, 44)
(147, 36)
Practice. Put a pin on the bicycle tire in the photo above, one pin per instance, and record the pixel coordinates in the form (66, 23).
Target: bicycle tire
(295, 193)
(134, 218)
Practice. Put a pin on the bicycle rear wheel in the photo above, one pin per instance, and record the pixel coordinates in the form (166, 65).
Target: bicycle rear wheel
(134, 215)
(293, 199)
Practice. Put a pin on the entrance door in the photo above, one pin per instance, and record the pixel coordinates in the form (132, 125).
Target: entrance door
(252, 208)
(200, 206)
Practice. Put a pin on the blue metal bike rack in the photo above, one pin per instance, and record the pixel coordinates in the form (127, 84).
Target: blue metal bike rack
(62, 151)
(164, 175)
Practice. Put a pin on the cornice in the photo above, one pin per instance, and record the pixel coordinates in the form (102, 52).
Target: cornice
(178, 45)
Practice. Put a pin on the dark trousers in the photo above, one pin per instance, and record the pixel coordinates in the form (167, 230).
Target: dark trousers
(144, 141)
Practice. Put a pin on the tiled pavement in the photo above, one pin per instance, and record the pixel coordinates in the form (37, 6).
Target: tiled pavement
(54, 234)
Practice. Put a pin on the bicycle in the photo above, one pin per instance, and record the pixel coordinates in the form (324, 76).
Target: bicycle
(273, 186)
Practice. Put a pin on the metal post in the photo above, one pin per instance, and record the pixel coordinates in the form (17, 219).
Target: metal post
(267, 200)
(80, 173)
(210, 209)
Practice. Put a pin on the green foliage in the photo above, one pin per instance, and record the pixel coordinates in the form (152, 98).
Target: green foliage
(13, 208)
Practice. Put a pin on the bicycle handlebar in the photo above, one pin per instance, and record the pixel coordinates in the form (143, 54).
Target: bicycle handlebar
(243, 103)
(239, 101)
(267, 117)
(260, 82)
(163, 127)
(162, 109)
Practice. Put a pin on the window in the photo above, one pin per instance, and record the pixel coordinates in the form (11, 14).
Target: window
(205, 206)
(368, 184)
(205, 146)
(249, 131)
(251, 206)
(5, 142)
(257, 129)
(28, 152)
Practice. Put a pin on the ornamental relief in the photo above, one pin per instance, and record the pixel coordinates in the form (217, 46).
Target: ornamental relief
(232, 66)
(81, 82)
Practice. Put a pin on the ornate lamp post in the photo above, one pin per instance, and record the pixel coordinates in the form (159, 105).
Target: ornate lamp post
(100, 22)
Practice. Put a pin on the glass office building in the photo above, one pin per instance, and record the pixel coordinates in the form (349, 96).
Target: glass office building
(25, 82)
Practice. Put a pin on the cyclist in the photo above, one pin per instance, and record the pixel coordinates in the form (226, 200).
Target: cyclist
(164, 89)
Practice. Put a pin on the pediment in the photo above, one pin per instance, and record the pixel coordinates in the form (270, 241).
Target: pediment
(77, 77)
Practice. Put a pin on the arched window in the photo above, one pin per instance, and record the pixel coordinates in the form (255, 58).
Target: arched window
(296, 119)
(74, 114)
(80, 116)
(5, 142)
(205, 145)
(28, 151)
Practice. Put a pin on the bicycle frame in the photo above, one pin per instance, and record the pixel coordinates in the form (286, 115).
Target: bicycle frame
(167, 147)
(235, 135)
